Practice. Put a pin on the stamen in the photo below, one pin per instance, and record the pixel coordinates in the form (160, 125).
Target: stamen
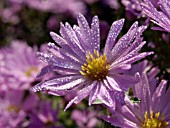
(29, 72)
(154, 121)
(13, 108)
(96, 67)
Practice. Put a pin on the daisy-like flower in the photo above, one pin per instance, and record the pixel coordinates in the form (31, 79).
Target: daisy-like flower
(19, 66)
(44, 116)
(14, 107)
(85, 118)
(153, 110)
(134, 6)
(71, 6)
(87, 70)
(144, 67)
(162, 17)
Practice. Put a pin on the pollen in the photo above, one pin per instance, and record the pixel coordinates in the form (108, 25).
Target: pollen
(154, 121)
(96, 66)
(30, 71)
(13, 108)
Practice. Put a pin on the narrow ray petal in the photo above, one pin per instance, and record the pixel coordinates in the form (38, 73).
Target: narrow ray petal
(94, 92)
(95, 33)
(113, 33)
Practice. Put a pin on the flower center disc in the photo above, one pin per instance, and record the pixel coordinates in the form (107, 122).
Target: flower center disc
(30, 71)
(154, 121)
(96, 67)
(13, 108)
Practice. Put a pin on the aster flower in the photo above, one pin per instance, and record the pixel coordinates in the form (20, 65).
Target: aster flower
(90, 1)
(88, 71)
(162, 17)
(14, 107)
(85, 118)
(71, 6)
(44, 116)
(145, 67)
(153, 110)
(134, 6)
(9, 12)
(19, 66)
(9, 15)
(114, 4)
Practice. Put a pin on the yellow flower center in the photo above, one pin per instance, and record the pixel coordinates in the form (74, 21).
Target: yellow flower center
(96, 67)
(32, 69)
(154, 121)
(13, 108)
(49, 123)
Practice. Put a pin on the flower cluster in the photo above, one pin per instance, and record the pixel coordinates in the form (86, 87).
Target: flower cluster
(19, 67)
(152, 111)
(87, 75)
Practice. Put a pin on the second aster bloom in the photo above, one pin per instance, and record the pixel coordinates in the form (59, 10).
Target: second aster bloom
(87, 70)
(19, 66)
(44, 116)
(14, 107)
(162, 17)
(134, 6)
(153, 110)
(85, 118)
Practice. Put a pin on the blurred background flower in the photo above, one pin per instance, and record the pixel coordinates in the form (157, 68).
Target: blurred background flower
(19, 65)
(85, 118)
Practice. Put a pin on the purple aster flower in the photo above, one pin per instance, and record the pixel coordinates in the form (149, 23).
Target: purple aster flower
(44, 116)
(9, 12)
(86, 69)
(72, 7)
(114, 4)
(10, 15)
(162, 17)
(134, 6)
(153, 110)
(85, 118)
(14, 108)
(90, 1)
(19, 66)
(52, 23)
(145, 67)
(55, 6)
(165, 37)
